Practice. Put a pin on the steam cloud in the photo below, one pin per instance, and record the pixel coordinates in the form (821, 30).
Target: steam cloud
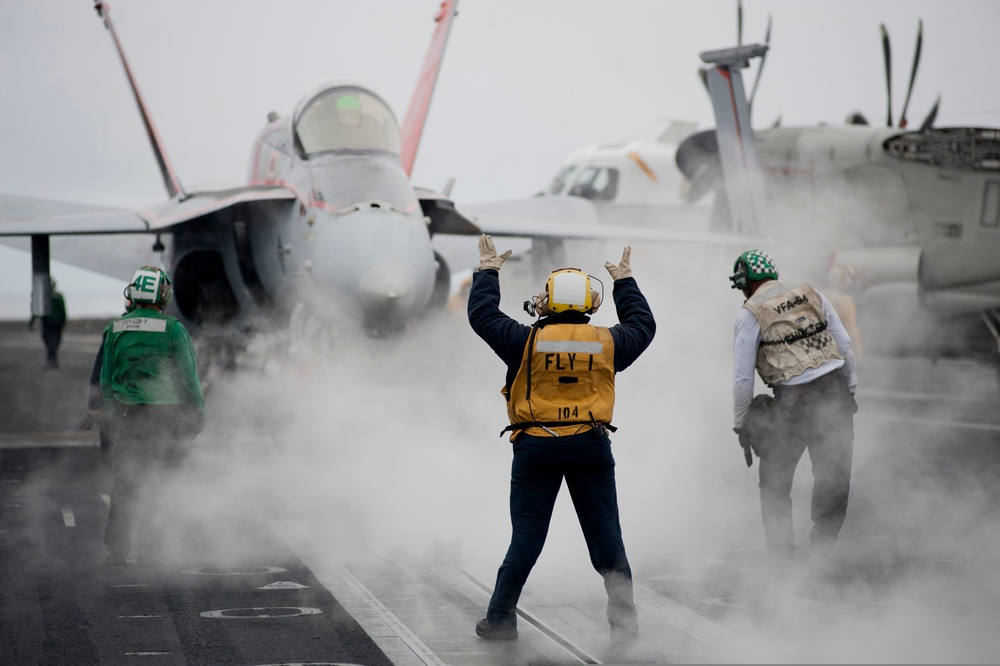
(394, 442)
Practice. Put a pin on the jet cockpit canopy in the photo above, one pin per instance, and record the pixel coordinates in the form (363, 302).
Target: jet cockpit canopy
(345, 117)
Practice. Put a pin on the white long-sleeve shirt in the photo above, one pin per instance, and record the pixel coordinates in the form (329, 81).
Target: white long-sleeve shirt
(746, 340)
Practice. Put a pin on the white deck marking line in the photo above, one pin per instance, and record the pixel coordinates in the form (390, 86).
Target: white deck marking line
(68, 518)
(106, 500)
(458, 574)
(900, 394)
(64, 439)
(412, 641)
(691, 623)
(46, 433)
(571, 648)
(940, 423)
(366, 609)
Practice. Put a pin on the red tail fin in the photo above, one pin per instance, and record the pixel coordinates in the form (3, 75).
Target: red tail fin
(170, 180)
(416, 114)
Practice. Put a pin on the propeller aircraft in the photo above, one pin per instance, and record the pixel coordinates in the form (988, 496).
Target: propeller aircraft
(634, 182)
(905, 220)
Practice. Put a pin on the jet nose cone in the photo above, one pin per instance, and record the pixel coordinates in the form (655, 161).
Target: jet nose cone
(387, 291)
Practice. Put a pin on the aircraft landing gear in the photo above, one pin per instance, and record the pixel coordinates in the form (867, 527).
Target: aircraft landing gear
(992, 320)
(308, 333)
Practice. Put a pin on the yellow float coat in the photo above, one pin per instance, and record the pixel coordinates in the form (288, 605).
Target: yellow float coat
(566, 381)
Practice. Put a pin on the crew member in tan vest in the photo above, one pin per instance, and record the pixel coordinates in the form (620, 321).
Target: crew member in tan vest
(796, 342)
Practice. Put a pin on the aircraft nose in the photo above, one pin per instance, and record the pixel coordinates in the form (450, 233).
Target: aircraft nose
(387, 290)
(381, 261)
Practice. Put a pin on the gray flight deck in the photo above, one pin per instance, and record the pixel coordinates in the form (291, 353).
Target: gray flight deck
(304, 583)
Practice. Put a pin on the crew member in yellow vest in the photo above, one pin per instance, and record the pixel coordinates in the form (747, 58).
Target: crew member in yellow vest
(842, 284)
(796, 342)
(560, 394)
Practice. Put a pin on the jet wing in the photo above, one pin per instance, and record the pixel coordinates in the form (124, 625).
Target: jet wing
(112, 241)
(575, 217)
(27, 216)
(178, 211)
(559, 218)
(560, 210)
(512, 226)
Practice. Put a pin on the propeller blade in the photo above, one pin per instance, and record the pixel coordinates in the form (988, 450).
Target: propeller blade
(888, 71)
(739, 22)
(760, 68)
(913, 71)
(929, 120)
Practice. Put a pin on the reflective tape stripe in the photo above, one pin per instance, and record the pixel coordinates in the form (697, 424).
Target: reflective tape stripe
(140, 324)
(571, 346)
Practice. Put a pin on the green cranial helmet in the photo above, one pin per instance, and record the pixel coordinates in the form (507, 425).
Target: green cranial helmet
(751, 266)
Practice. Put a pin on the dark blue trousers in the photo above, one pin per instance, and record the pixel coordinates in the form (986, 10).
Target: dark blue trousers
(537, 471)
(51, 336)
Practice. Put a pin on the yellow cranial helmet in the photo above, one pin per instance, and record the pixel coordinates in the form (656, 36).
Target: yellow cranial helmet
(569, 289)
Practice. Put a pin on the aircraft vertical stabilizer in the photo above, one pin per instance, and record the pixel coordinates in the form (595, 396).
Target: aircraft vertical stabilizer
(737, 150)
(416, 114)
(170, 179)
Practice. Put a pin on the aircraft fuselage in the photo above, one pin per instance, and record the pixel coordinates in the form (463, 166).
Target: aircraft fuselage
(851, 189)
(353, 241)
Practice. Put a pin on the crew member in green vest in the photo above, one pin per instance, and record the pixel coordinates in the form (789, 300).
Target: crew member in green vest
(52, 327)
(150, 384)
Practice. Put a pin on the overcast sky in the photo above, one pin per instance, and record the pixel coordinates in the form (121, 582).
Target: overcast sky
(524, 83)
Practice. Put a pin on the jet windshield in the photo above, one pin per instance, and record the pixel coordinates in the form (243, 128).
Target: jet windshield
(346, 118)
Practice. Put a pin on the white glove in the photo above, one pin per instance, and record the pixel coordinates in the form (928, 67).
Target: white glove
(488, 254)
(624, 268)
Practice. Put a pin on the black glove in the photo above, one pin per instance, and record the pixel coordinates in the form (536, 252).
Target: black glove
(744, 435)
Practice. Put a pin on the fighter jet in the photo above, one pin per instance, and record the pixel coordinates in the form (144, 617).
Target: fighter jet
(327, 226)
(328, 213)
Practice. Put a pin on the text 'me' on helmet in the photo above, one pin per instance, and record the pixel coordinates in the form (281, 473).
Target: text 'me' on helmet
(150, 285)
(752, 266)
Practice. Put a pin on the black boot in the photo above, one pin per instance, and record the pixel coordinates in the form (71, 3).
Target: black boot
(115, 560)
(497, 632)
